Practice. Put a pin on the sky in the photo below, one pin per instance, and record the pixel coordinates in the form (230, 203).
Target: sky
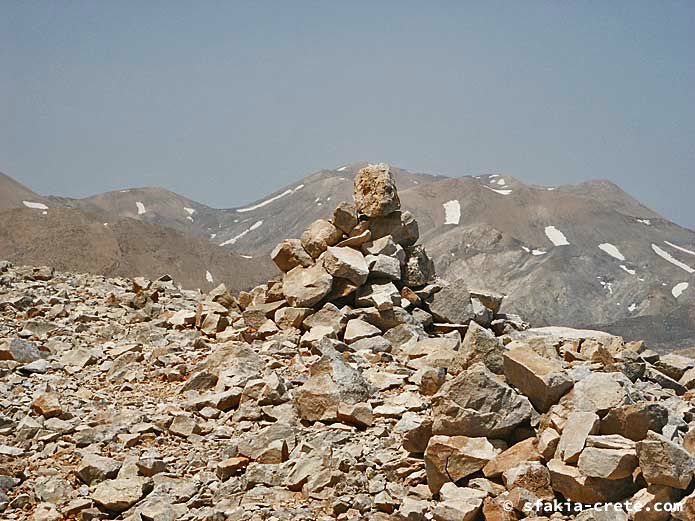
(225, 102)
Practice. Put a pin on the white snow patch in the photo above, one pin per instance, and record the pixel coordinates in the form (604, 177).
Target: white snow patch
(190, 218)
(208, 277)
(299, 187)
(35, 206)
(607, 285)
(538, 252)
(667, 256)
(141, 208)
(648, 222)
(266, 202)
(550, 189)
(213, 235)
(253, 227)
(106, 224)
(526, 249)
(556, 236)
(452, 212)
(190, 211)
(247, 256)
(612, 250)
(492, 176)
(501, 192)
(632, 307)
(501, 182)
(678, 289)
(341, 169)
(628, 270)
(685, 250)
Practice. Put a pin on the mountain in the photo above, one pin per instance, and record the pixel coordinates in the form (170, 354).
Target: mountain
(585, 255)
(69, 239)
(13, 194)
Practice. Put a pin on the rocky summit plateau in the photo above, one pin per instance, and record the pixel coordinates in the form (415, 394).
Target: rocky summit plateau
(356, 384)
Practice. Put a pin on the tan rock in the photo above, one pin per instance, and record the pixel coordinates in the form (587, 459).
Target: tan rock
(532, 476)
(685, 508)
(515, 455)
(375, 191)
(607, 463)
(346, 263)
(547, 443)
(479, 345)
(47, 405)
(304, 287)
(664, 462)
(652, 500)
(634, 421)
(357, 329)
(118, 495)
(289, 254)
(574, 486)
(319, 236)
(450, 458)
(574, 434)
(543, 381)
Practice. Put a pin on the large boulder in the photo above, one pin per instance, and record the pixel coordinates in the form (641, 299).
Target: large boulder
(452, 304)
(319, 236)
(634, 421)
(450, 458)
(331, 382)
(479, 345)
(575, 486)
(289, 254)
(476, 403)
(419, 268)
(543, 381)
(346, 263)
(663, 462)
(304, 287)
(375, 191)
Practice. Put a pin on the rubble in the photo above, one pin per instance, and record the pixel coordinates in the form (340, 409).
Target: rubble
(356, 385)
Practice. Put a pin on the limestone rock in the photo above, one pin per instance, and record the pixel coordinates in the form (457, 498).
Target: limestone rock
(289, 254)
(664, 462)
(476, 403)
(346, 263)
(574, 435)
(419, 268)
(607, 463)
(118, 495)
(479, 345)
(319, 236)
(450, 458)
(543, 381)
(304, 287)
(452, 304)
(375, 191)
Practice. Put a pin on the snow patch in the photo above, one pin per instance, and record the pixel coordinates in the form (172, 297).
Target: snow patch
(35, 206)
(452, 212)
(247, 256)
(556, 236)
(538, 252)
(271, 200)
(501, 192)
(253, 227)
(648, 222)
(628, 270)
(667, 256)
(678, 289)
(684, 250)
(342, 169)
(612, 250)
(208, 277)
(190, 218)
(190, 211)
(501, 182)
(213, 235)
(632, 307)
(141, 208)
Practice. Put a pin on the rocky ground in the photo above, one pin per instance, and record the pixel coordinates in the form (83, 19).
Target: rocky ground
(353, 387)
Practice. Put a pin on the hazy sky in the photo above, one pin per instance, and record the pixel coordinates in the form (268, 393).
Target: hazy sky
(227, 101)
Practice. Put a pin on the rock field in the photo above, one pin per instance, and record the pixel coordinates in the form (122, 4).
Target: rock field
(355, 386)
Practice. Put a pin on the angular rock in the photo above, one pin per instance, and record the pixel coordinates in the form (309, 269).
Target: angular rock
(304, 287)
(346, 263)
(357, 329)
(574, 435)
(375, 191)
(452, 304)
(479, 345)
(664, 462)
(380, 296)
(515, 455)
(636, 420)
(543, 381)
(118, 495)
(289, 254)
(95, 469)
(319, 236)
(574, 486)
(450, 458)
(345, 217)
(419, 268)
(532, 476)
(607, 463)
(475, 403)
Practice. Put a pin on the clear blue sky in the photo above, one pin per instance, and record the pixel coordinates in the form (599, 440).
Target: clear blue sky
(227, 101)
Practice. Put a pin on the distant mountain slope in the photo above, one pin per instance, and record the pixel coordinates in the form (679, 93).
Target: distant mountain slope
(69, 239)
(586, 255)
(13, 194)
